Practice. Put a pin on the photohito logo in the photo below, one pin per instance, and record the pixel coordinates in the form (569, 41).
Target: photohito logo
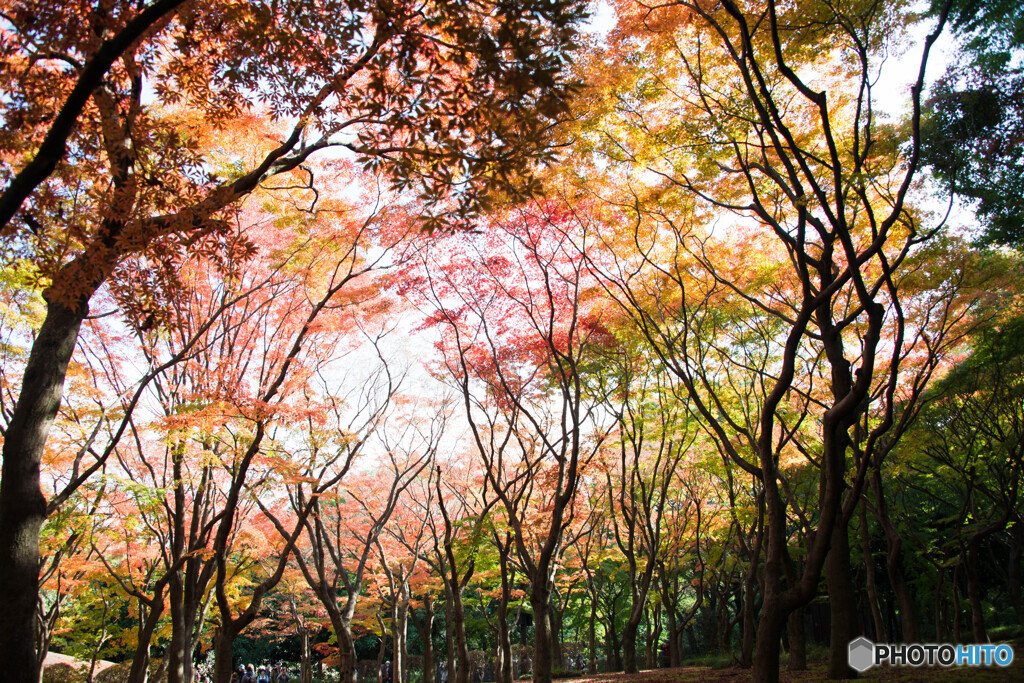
(864, 654)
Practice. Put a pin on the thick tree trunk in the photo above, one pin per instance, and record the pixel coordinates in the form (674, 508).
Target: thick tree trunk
(797, 642)
(629, 631)
(674, 656)
(346, 652)
(555, 619)
(766, 647)
(22, 505)
(222, 663)
(842, 601)
(540, 601)
(306, 659)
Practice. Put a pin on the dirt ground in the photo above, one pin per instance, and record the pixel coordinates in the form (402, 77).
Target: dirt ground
(904, 674)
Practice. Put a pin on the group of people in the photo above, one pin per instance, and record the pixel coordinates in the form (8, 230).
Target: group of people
(265, 674)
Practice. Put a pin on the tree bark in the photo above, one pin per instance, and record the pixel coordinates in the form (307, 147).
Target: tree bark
(425, 629)
(540, 601)
(974, 592)
(842, 601)
(22, 504)
(869, 576)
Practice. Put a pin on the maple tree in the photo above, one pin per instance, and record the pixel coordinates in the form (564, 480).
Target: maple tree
(514, 335)
(785, 140)
(666, 406)
(387, 81)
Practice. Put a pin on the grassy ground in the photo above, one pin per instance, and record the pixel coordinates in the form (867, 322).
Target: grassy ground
(817, 672)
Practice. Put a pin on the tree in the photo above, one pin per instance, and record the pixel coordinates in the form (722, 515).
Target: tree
(654, 437)
(517, 322)
(974, 119)
(782, 148)
(387, 80)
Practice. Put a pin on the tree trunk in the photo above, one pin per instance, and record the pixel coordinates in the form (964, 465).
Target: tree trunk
(222, 656)
(425, 629)
(462, 672)
(674, 656)
(540, 600)
(449, 631)
(177, 648)
(22, 504)
(140, 663)
(504, 645)
(766, 644)
(592, 635)
(306, 658)
(797, 642)
(555, 620)
(842, 601)
(974, 592)
(894, 563)
(629, 631)
(869, 576)
(346, 652)
(747, 650)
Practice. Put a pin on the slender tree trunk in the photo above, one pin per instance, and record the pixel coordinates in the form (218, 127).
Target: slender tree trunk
(654, 638)
(957, 635)
(504, 645)
(795, 625)
(940, 626)
(140, 663)
(592, 633)
(22, 504)
(425, 629)
(462, 671)
(974, 592)
(869, 575)
(894, 564)
(747, 650)
(555, 619)
(449, 632)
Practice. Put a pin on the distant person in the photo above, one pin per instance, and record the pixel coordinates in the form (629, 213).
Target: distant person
(264, 675)
(442, 672)
(386, 673)
(250, 675)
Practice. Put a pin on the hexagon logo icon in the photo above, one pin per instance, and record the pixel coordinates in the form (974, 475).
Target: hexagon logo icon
(861, 654)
